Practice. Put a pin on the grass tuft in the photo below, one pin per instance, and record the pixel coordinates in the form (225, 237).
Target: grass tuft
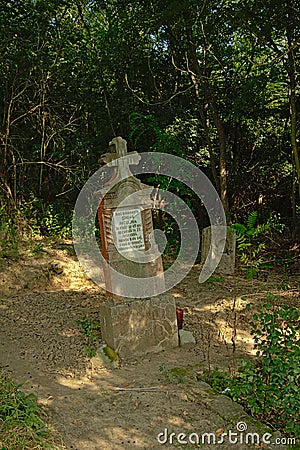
(21, 423)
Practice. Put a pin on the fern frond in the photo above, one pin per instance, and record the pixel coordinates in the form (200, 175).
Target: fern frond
(251, 220)
(262, 229)
(239, 228)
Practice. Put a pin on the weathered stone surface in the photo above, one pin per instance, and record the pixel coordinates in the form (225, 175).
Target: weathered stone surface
(227, 263)
(135, 327)
(234, 414)
(186, 338)
(227, 408)
(132, 323)
(126, 226)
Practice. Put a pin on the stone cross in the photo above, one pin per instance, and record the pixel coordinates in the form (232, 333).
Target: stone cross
(121, 167)
(135, 320)
(126, 226)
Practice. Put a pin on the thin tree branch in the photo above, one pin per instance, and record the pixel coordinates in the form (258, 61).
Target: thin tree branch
(164, 102)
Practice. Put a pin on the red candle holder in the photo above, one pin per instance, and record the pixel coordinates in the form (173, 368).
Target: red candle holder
(179, 314)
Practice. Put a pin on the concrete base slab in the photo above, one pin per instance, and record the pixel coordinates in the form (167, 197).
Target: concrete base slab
(186, 338)
(135, 327)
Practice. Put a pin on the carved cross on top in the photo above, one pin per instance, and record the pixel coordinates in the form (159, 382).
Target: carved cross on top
(121, 167)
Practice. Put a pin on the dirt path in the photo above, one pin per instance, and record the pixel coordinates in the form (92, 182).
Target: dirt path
(94, 407)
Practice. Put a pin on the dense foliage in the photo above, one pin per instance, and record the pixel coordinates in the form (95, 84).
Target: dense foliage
(269, 386)
(219, 78)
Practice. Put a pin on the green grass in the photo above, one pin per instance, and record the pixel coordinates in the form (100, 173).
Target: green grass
(21, 423)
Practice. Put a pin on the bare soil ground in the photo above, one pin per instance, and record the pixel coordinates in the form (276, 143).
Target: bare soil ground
(89, 406)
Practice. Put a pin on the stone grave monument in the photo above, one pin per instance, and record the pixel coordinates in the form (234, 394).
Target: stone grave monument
(133, 323)
(226, 265)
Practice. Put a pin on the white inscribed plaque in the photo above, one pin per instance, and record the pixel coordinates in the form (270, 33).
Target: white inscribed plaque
(128, 229)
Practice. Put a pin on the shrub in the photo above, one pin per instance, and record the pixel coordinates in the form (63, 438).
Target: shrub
(251, 241)
(270, 386)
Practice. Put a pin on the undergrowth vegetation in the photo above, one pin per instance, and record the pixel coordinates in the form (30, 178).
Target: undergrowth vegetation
(90, 329)
(31, 220)
(252, 240)
(22, 426)
(269, 386)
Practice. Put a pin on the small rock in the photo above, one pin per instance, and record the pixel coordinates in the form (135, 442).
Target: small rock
(186, 337)
(55, 267)
(103, 358)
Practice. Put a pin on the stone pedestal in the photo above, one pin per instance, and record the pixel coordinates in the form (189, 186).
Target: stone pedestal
(227, 263)
(135, 327)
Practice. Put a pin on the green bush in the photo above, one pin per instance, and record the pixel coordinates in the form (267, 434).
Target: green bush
(32, 218)
(9, 234)
(46, 218)
(251, 241)
(270, 386)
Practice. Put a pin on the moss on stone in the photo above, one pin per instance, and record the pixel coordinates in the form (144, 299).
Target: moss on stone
(111, 354)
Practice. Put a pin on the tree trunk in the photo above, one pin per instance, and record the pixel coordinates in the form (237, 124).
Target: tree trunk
(206, 130)
(10, 192)
(293, 108)
(196, 70)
